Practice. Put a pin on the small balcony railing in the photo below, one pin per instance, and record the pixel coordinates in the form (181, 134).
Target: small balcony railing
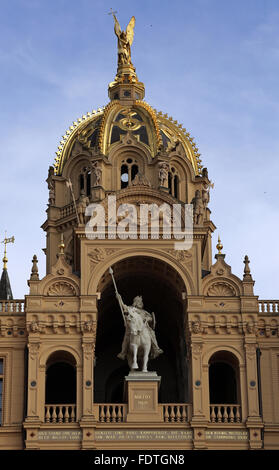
(176, 412)
(225, 413)
(117, 413)
(11, 306)
(60, 413)
(269, 306)
(111, 413)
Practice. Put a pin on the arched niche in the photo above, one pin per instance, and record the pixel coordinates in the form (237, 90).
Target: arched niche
(161, 288)
(60, 383)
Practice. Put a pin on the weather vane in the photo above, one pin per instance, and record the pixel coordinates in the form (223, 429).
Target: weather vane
(6, 241)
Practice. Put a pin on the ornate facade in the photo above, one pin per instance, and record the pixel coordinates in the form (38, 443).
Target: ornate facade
(62, 384)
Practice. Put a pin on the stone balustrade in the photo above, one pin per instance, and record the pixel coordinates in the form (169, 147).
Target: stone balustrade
(12, 306)
(60, 413)
(225, 413)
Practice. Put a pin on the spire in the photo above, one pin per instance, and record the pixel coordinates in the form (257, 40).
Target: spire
(125, 86)
(5, 286)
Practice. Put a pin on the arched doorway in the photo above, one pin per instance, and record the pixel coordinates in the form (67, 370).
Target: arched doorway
(224, 378)
(60, 378)
(161, 288)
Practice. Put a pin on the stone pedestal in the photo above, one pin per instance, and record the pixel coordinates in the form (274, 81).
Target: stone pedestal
(141, 390)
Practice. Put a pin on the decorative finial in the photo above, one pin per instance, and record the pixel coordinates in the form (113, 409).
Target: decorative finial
(247, 272)
(34, 271)
(6, 241)
(219, 246)
(61, 245)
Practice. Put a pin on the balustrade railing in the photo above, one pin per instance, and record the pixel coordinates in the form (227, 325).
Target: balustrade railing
(67, 210)
(176, 412)
(60, 413)
(112, 413)
(11, 306)
(268, 306)
(225, 413)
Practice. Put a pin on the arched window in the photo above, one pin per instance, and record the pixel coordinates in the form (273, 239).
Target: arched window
(224, 378)
(173, 182)
(224, 387)
(129, 169)
(61, 378)
(85, 181)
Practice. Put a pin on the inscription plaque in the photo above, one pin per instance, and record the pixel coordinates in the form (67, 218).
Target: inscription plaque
(143, 400)
(143, 435)
(59, 435)
(227, 435)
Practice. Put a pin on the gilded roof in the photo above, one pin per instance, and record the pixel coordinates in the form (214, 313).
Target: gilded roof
(102, 127)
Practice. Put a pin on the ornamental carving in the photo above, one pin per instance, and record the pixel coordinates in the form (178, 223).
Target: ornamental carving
(58, 289)
(183, 256)
(88, 349)
(33, 349)
(196, 327)
(221, 289)
(99, 254)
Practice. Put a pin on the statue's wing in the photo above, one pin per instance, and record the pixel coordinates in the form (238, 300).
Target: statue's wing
(130, 30)
(117, 28)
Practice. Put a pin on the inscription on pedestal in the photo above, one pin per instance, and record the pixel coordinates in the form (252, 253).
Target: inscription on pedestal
(143, 400)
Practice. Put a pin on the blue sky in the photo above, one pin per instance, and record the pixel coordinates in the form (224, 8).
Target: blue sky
(211, 64)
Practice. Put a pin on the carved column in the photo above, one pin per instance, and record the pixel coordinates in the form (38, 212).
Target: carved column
(88, 351)
(254, 421)
(88, 355)
(198, 390)
(33, 412)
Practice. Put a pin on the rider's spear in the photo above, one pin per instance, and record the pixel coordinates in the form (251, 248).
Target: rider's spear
(117, 293)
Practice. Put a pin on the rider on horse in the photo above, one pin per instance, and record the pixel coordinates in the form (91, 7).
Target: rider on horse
(148, 319)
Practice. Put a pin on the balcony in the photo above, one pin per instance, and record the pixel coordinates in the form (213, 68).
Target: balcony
(60, 413)
(269, 306)
(117, 413)
(225, 413)
(12, 306)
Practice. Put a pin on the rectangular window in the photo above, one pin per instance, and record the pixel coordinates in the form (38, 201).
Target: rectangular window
(1, 388)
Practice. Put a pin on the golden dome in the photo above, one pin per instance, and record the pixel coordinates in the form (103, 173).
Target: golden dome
(102, 129)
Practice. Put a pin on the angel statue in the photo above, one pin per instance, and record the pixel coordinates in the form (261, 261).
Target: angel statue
(125, 40)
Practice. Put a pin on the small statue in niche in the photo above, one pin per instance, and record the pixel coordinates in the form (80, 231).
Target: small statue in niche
(163, 173)
(97, 172)
(81, 206)
(205, 197)
(198, 208)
